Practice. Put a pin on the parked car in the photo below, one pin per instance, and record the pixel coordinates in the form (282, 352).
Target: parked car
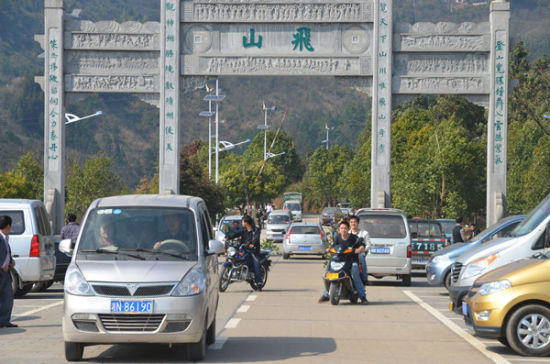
(328, 213)
(427, 237)
(226, 225)
(295, 207)
(278, 223)
(152, 279)
(305, 239)
(526, 239)
(448, 225)
(390, 251)
(31, 243)
(438, 269)
(512, 304)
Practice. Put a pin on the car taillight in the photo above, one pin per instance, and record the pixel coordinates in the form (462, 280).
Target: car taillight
(321, 232)
(409, 254)
(35, 247)
(288, 234)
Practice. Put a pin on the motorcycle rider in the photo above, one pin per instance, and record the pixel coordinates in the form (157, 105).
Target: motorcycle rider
(354, 229)
(250, 236)
(346, 240)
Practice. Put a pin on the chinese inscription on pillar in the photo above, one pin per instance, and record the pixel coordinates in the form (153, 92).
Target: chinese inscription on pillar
(54, 117)
(500, 107)
(383, 76)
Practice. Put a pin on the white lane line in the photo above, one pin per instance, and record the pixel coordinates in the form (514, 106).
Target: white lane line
(231, 324)
(532, 360)
(218, 345)
(31, 312)
(243, 308)
(457, 330)
(251, 297)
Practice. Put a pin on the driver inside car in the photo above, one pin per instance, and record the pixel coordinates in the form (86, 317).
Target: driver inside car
(175, 230)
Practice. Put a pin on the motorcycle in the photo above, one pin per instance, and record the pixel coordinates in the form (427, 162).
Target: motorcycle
(338, 281)
(238, 267)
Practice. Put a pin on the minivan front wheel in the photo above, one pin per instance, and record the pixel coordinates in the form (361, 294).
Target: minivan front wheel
(197, 351)
(73, 351)
(406, 280)
(528, 331)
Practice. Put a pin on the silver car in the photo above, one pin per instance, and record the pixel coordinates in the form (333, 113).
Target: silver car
(277, 225)
(226, 225)
(305, 239)
(144, 270)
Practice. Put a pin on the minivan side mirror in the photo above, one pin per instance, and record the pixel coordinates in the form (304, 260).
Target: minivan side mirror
(215, 247)
(65, 246)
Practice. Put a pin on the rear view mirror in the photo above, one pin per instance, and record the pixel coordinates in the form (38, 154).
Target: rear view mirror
(215, 247)
(547, 235)
(65, 246)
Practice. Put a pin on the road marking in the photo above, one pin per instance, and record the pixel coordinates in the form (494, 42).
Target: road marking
(243, 308)
(252, 297)
(457, 330)
(218, 345)
(231, 324)
(31, 312)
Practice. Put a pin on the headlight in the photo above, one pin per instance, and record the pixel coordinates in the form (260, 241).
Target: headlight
(192, 284)
(231, 251)
(477, 267)
(493, 287)
(439, 259)
(75, 282)
(337, 265)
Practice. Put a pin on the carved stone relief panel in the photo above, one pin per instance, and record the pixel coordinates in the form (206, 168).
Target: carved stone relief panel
(282, 11)
(111, 63)
(441, 37)
(110, 35)
(112, 83)
(440, 85)
(197, 39)
(441, 64)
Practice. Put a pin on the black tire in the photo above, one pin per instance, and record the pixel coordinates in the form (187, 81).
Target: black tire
(264, 280)
(19, 292)
(41, 287)
(286, 256)
(447, 280)
(73, 351)
(197, 351)
(224, 279)
(334, 292)
(406, 280)
(503, 341)
(211, 333)
(518, 329)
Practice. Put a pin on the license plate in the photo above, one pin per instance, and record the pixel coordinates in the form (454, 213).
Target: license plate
(380, 250)
(464, 308)
(332, 276)
(132, 306)
(304, 247)
(420, 261)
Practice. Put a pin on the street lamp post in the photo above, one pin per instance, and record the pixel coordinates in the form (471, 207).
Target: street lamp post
(265, 127)
(216, 98)
(326, 140)
(209, 114)
(72, 118)
(271, 155)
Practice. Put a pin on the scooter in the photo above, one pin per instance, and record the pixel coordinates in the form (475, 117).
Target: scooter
(238, 267)
(338, 281)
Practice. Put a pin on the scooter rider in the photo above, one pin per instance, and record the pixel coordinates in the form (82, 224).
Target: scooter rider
(250, 235)
(354, 229)
(346, 240)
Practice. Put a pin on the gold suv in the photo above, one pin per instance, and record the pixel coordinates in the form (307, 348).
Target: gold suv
(512, 304)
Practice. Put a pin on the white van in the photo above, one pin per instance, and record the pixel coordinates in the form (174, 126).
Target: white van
(528, 238)
(31, 242)
(295, 207)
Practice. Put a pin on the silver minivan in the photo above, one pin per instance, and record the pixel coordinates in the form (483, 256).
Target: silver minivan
(530, 237)
(144, 269)
(277, 225)
(390, 238)
(295, 208)
(32, 243)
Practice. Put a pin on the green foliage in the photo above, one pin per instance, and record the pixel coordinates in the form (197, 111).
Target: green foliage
(356, 175)
(25, 181)
(270, 245)
(95, 180)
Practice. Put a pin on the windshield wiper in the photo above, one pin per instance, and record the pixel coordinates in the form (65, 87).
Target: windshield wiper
(115, 252)
(161, 252)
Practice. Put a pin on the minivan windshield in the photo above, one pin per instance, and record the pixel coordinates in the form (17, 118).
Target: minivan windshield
(292, 206)
(278, 219)
(383, 226)
(535, 217)
(121, 233)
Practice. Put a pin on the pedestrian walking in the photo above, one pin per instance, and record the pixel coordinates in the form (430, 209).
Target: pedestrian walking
(71, 230)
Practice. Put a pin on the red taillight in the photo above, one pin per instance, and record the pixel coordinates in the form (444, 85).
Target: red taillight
(35, 247)
(288, 234)
(409, 254)
(321, 232)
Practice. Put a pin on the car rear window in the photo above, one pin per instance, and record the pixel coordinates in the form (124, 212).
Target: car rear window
(18, 221)
(313, 230)
(383, 226)
(292, 206)
(426, 229)
(278, 219)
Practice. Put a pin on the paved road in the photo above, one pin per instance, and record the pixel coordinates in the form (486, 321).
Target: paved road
(284, 323)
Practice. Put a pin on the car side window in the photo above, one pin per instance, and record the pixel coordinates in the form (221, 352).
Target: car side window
(204, 231)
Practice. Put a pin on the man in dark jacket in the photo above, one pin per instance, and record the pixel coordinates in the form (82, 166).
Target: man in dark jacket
(6, 262)
(459, 235)
(250, 236)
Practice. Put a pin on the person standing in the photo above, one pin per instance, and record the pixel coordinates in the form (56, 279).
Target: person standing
(459, 235)
(71, 230)
(6, 262)
(475, 229)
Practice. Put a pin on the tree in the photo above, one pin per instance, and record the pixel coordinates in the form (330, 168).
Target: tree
(29, 167)
(356, 175)
(95, 180)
